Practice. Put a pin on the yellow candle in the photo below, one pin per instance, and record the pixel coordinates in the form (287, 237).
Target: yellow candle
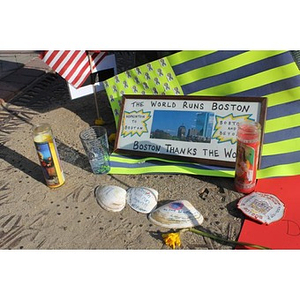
(45, 144)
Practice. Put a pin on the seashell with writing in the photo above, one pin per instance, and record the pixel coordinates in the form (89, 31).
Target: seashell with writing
(176, 214)
(262, 207)
(142, 199)
(111, 197)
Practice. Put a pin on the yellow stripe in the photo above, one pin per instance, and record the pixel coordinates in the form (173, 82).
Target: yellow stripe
(56, 162)
(251, 82)
(145, 159)
(281, 123)
(184, 56)
(123, 159)
(171, 169)
(274, 171)
(281, 147)
(283, 96)
(225, 65)
(160, 169)
(280, 170)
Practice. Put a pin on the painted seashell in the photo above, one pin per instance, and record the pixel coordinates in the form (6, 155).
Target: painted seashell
(111, 197)
(262, 207)
(176, 214)
(142, 199)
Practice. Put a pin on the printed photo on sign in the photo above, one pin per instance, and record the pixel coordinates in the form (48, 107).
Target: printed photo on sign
(182, 126)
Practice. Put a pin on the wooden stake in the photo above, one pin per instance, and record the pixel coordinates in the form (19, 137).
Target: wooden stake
(94, 87)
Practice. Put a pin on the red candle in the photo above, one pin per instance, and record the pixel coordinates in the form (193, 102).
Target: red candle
(248, 144)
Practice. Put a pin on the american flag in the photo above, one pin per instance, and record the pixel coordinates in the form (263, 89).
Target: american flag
(73, 65)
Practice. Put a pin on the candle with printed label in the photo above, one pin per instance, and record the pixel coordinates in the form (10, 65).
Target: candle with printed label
(248, 145)
(48, 155)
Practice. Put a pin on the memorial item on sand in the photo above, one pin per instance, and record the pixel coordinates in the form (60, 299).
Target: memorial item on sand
(111, 197)
(142, 199)
(48, 155)
(95, 144)
(176, 214)
(248, 149)
(198, 129)
(262, 207)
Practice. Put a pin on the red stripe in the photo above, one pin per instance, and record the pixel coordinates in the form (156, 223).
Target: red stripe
(51, 57)
(86, 66)
(96, 56)
(60, 60)
(42, 54)
(77, 81)
(68, 63)
(75, 67)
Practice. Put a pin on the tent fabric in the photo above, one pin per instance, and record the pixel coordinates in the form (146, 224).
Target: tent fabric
(271, 74)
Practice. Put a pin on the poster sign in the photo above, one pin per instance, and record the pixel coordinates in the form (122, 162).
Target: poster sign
(188, 128)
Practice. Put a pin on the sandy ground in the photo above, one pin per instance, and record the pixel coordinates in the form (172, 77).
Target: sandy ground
(69, 217)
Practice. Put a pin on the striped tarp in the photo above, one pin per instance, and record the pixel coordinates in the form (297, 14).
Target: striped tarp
(271, 74)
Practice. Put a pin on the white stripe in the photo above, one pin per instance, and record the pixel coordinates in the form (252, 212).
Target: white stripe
(55, 59)
(81, 79)
(88, 70)
(84, 65)
(69, 63)
(47, 55)
(97, 60)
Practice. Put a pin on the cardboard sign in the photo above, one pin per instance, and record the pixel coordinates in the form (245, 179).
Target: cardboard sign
(200, 129)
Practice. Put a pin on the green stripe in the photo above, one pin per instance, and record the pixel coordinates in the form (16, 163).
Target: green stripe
(123, 159)
(274, 171)
(281, 147)
(283, 96)
(225, 65)
(178, 168)
(280, 170)
(251, 82)
(171, 169)
(184, 56)
(286, 122)
(145, 159)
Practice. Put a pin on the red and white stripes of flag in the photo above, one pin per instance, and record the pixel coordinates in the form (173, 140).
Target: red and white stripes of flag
(73, 65)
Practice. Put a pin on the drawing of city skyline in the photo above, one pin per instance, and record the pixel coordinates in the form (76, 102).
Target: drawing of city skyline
(182, 125)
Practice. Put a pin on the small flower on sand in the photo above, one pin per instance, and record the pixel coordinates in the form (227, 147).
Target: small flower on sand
(172, 239)
(112, 138)
(99, 121)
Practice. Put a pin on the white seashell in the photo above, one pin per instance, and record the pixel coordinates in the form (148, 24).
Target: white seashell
(142, 199)
(111, 197)
(265, 208)
(176, 214)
